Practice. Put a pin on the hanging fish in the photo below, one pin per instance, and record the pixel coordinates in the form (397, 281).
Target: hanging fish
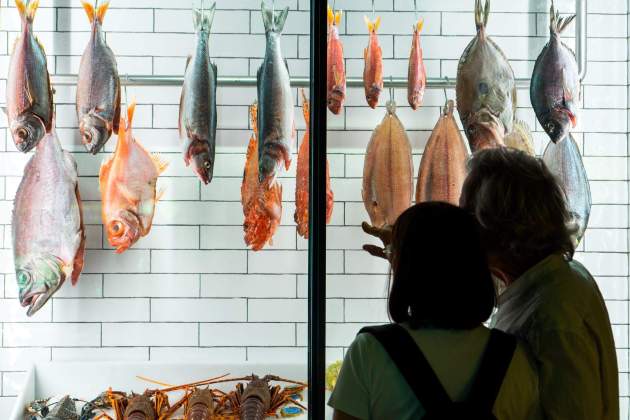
(302, 179)
(29, 94)
(443, 167)
(564, 160)
(261, 200)
(336, 75)
(98, 86)
(128, 188)
(555, 87)
(486, 91)
(198, 104)
(275, 100)
(387, 171)
(417, 75)
(373, 70)
(521, 138)
(48, 233)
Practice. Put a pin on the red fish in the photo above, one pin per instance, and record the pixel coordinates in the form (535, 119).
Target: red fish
(302, 178)
(373, 71)
(417, 71)
(336, 75)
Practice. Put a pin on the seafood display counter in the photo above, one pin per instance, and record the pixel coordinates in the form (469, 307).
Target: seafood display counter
(86, 381)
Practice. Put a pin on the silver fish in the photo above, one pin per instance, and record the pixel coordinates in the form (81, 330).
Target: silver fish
(564, 160)
(198, 104)
(29, 95)
(98, 86)
(275, 110)
(555, 88)
(48, 234)
(64, 410)
(486, 91)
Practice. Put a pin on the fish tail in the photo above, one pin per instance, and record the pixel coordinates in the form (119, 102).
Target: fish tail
(101, 11)
(274, 22)
(372, 26)
(338, 15)
(203, 19)
(558, 24)
(331, 16)
(97, 13)
(419, 25)
(27, 10)
(131, 108)
(482, 13)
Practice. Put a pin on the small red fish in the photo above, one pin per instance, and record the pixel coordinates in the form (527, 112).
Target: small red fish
(302, 180)
(373, 71)
(336, 75)
(417, 71)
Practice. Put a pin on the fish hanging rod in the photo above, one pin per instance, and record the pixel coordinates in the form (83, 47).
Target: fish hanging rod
(396, 82)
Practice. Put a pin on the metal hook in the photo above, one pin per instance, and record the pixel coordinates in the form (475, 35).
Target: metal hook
(373, 9)
(334, 2)
(445, 94)
(391, 88)
(415, 7)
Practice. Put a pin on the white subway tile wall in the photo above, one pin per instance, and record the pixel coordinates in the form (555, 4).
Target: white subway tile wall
(191, 290)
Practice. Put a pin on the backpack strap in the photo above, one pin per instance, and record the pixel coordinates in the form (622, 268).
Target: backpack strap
(411, 363)
(494, 366)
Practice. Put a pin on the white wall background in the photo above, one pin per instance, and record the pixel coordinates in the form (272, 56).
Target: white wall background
(191, 290)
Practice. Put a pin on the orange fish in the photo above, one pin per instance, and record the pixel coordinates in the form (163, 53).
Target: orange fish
(302, 178)
(373, 71)
(128, 188)
(262, 201)
(417, 72)
(336, 75)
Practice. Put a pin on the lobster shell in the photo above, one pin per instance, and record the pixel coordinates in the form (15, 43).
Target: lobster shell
(140, 408)
(201, 405)
(256, 399)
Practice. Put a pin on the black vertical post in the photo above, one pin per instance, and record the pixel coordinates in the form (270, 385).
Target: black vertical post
(317, 216)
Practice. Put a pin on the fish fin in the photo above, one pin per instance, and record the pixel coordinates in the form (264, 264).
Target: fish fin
(131, 108)
(368, 23)
(338, 15)
(377, 24)
(103, 173)
(160, 195)
(419, 25)
(146, 209)
(27, 10)
(77, 265)
(89, 10)
(331, 16)
(274, 23)
(521, 138)
(568, 93)
(202, 19)
(5, 111)
(337, 75)
(159, 163)
(482, 14)
(180, 122)
(286, 64)
(21, 8)
(259, 82)
(126, 193)
(101, 11)
(281, 19)
(116, 122)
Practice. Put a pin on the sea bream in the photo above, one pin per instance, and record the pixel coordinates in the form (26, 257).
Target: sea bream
(336, 74)
(564, 160)
(486, 91)
(48, 233)
(443, 167)
(127, 182)
(29, 94)
(198, 104)
(275, 100)
(373, 64)
(417, 74)
(555, 87)
(387, 171)
(98, 86)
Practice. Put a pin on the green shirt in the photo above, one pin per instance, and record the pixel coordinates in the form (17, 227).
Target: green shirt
(371, 387)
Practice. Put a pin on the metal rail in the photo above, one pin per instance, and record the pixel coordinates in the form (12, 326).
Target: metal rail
(398, 82)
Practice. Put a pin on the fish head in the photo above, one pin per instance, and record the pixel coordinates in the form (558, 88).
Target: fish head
(485, 131)
(202, 161)
(372, 95)
(94, 132)
(558, 122)
(123, 230)
(27, 130)
(335, 100)
(38, 278)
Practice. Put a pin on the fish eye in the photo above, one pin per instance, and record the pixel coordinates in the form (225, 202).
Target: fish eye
(483, 88)
(551, 126)
(87, 136)
(207, 164)
(116, 228)
(471, 130)
(22, 133)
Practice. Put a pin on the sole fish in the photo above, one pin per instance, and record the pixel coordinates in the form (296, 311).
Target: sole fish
(443, 167)
(98, 86)
(48, 232)
(387, 171)
(521, 138)
(198, 104)
(564, 160)
(336, 75)
(29, 94)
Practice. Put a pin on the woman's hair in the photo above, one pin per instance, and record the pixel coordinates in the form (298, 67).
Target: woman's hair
(440, 274)
(520, 207)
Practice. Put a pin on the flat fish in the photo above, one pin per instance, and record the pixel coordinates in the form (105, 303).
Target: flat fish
(336, 75)
(29, 94)
(275, 100)
(261, 200)
(417, 74)
(564, 160)
(486, 91)
(387, 171)
(48, 232)
(302, 179)
(198, 104)
(98, 86)
(521, 138)
(555, 87)
(128, 188)
(443, 167)
(373, 69)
